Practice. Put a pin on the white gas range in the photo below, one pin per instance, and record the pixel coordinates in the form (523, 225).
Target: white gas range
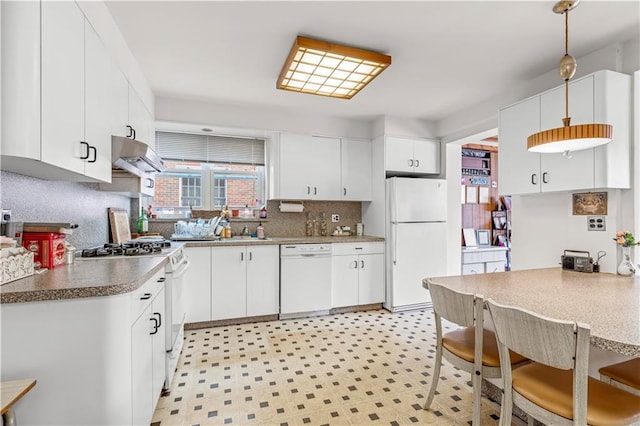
(177, 264)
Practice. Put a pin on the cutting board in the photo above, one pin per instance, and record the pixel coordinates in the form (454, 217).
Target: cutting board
(119, 222)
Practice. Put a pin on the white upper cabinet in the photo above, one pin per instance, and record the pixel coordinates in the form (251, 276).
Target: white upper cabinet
(308, 168)
(356, 170)
(56, 76)
(129, 117)
(602, 97)
(407, 156)
(63, 86)
(96, 124)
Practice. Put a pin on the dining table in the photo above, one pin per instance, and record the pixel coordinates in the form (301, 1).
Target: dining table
(608, 303)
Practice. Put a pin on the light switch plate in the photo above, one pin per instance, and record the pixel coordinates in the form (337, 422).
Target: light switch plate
(335, 218)
(596, 223)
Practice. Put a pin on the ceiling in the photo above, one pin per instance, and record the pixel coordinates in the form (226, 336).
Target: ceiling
(446, 55)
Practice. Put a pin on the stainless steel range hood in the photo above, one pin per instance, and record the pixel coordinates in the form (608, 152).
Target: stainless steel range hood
(134, 156)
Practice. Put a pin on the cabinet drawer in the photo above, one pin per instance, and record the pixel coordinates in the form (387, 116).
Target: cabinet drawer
(144, 295)
(483, 256)
(473, 268)
(357, 248)
(494, 266)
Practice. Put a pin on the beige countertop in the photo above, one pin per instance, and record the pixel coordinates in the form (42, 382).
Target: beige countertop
(90, 277)
(237, 241)
(83, 278)
(609, 303)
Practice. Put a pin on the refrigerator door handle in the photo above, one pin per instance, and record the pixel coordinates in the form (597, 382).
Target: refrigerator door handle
(394, 243)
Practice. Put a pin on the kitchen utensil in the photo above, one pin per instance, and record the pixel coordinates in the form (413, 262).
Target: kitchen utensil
(119, 222)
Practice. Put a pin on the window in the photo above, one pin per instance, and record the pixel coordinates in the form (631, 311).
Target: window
(208, 172)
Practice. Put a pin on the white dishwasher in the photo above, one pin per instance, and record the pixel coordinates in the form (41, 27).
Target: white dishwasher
(305, 278)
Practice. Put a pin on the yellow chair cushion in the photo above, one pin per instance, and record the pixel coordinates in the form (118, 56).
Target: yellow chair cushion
(461, 342)
(552, 389)
(627, 372)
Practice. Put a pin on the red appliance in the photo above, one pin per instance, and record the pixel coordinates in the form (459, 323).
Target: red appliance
(48, 248)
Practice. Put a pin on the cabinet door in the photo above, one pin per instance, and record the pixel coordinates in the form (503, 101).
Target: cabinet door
(519, 168)
(197, 288)
(140, 119)
(20, 28)
(229, 282)
(559, 172)
(398, 154)
(63, 86)
(296, 162)
(119, 102)
(263, 280)
(325, 167)
(344, 281)
(426, 157)
(472, 268)
(142, 369)
(158, 348)
(371, 279)
(97, 124)
(356, 170)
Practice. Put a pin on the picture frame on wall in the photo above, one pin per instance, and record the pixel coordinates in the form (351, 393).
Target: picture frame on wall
(591, 203)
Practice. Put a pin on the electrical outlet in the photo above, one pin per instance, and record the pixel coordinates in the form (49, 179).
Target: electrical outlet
(596, 223)
(335, 218)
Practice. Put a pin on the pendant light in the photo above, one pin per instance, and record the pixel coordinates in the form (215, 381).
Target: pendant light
(569, 138)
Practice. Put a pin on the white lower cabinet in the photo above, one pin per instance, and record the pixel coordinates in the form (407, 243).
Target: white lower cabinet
(148, 353)
(197, 289)
(245, 281)
(483, 260)
(95, 358)
(357, 274)
(232, 282)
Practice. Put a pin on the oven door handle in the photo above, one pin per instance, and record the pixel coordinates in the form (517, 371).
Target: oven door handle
(181, 270)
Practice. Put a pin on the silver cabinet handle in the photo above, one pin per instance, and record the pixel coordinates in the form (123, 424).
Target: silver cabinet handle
(250, 255)
(241, 256)
(344, 191)
(355, 264)
(410, 163)
(544, 177)
(315, 190)
(362, 263)
(85, 156)
(534, 181)
(417, 163)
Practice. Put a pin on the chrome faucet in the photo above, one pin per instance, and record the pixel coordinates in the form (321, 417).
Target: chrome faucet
(245, 231)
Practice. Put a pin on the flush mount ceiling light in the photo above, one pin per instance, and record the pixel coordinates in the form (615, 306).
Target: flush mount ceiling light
(327, 69)
(569, 138)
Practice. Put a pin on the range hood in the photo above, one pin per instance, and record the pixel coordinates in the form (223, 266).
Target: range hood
(134, 156)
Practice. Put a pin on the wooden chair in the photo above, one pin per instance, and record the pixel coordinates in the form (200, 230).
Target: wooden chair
(555, 388)
(471, 348)
(625, 375)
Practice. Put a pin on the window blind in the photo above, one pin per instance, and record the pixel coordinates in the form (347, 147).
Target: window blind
(209, 148)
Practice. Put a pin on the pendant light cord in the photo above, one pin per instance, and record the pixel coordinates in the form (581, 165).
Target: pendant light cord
(566, 81)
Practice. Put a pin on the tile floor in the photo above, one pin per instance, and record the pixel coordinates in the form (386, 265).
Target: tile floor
(360, 368)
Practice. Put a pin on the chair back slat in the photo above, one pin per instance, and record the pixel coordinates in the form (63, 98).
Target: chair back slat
(453, 306)
(545, 340)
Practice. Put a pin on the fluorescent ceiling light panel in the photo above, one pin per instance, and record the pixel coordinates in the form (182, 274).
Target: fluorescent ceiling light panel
(327, 69)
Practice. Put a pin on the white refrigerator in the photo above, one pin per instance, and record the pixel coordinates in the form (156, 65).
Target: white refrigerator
(416, 239)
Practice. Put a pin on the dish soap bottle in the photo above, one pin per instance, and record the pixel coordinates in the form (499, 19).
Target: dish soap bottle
(260, 232)
(246, 213)
(143, 222)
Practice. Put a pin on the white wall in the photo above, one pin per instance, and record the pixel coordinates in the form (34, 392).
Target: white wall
(454, 222)
(544, 226)
(210, 114)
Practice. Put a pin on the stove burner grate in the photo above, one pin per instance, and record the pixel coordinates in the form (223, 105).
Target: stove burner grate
(130, 248)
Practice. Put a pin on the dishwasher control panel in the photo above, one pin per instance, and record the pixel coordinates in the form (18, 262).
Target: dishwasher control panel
(300, 249)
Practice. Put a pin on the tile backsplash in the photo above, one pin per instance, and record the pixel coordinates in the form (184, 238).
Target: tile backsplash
(36, 200)
(280, 224)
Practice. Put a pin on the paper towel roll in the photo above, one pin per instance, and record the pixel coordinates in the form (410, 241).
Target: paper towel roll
(291, 208)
